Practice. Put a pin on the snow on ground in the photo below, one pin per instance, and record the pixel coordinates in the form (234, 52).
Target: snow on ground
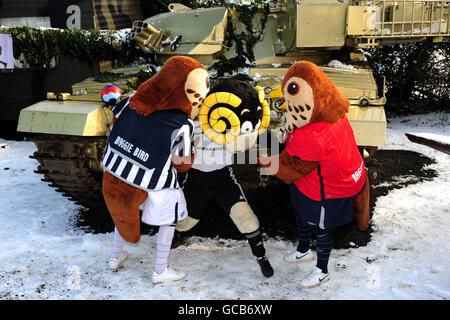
(434, 137)
(339, 65)
(42, 256)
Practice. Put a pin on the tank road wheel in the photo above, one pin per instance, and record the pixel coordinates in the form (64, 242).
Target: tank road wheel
(372, 165)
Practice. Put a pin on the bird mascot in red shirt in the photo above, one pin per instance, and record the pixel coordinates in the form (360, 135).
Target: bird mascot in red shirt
(321, 162)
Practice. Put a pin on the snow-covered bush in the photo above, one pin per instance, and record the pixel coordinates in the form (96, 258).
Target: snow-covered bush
(417, 76)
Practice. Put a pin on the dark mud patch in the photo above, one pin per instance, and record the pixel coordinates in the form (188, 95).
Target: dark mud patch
(100, 221)
(396, 169)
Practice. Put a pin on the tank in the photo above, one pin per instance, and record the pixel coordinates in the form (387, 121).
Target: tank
(70, 130)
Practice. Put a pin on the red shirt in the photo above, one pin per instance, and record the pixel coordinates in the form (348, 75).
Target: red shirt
(341, 168)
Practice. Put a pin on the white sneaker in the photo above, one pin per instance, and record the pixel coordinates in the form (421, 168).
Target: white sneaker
(299, 257)
(167, 276)
(115, 264)
(315, 278)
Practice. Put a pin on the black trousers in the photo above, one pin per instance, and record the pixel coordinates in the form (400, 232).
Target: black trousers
(219, 186)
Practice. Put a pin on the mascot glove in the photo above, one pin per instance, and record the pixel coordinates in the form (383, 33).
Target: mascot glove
(282, 135)
(270, 164)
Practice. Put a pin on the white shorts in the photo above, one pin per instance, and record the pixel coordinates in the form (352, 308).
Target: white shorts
(164, 207)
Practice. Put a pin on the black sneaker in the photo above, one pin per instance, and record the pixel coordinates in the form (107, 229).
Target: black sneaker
(266, 268)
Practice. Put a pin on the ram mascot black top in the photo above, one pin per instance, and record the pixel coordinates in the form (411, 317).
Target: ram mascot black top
(230, 119)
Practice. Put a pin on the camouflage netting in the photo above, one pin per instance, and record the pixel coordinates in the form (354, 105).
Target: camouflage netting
(36, 47)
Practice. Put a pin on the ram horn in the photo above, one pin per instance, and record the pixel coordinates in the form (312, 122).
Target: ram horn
(265, 121)
(214, 123)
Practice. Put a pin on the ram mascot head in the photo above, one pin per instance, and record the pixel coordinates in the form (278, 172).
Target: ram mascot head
(234, 113)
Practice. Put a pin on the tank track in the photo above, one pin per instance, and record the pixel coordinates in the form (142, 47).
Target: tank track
(72, 165)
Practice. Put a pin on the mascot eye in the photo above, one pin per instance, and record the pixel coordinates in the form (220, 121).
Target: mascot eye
(246, 127)
(279, 103)
(293, 88)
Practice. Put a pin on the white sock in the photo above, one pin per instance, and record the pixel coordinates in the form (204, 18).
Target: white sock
(117, 245)
(163, 244)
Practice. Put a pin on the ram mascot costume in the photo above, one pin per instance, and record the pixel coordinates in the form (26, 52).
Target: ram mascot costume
(149, 142)
(321, 162)
(231, 117)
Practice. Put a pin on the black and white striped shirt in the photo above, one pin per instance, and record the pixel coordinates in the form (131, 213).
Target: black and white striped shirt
(140, 148)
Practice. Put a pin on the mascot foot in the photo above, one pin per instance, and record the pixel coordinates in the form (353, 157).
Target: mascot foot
(266, 268)
(115, 264)
(314, 278)
(178, 239)
(167, 276)
(299, 257)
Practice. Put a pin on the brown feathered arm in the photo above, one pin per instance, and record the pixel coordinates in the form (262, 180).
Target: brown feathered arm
(183, 164)
(290, 169)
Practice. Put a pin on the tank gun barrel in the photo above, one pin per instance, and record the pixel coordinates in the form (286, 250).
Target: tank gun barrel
(147, 35)
(183, 31)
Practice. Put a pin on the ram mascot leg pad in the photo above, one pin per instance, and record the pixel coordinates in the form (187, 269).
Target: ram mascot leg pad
(186, 224)
(244, 218)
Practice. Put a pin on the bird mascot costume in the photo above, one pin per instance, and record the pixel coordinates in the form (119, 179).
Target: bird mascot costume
(231, 118)
(149, 142)
(321, 162)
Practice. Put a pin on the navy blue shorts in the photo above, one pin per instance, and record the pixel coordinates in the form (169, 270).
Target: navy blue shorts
(335, 212)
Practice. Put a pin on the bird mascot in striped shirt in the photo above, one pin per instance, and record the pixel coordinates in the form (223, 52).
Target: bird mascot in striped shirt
(150, 141)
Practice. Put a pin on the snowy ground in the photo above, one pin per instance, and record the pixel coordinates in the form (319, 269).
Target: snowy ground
(42, 256)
